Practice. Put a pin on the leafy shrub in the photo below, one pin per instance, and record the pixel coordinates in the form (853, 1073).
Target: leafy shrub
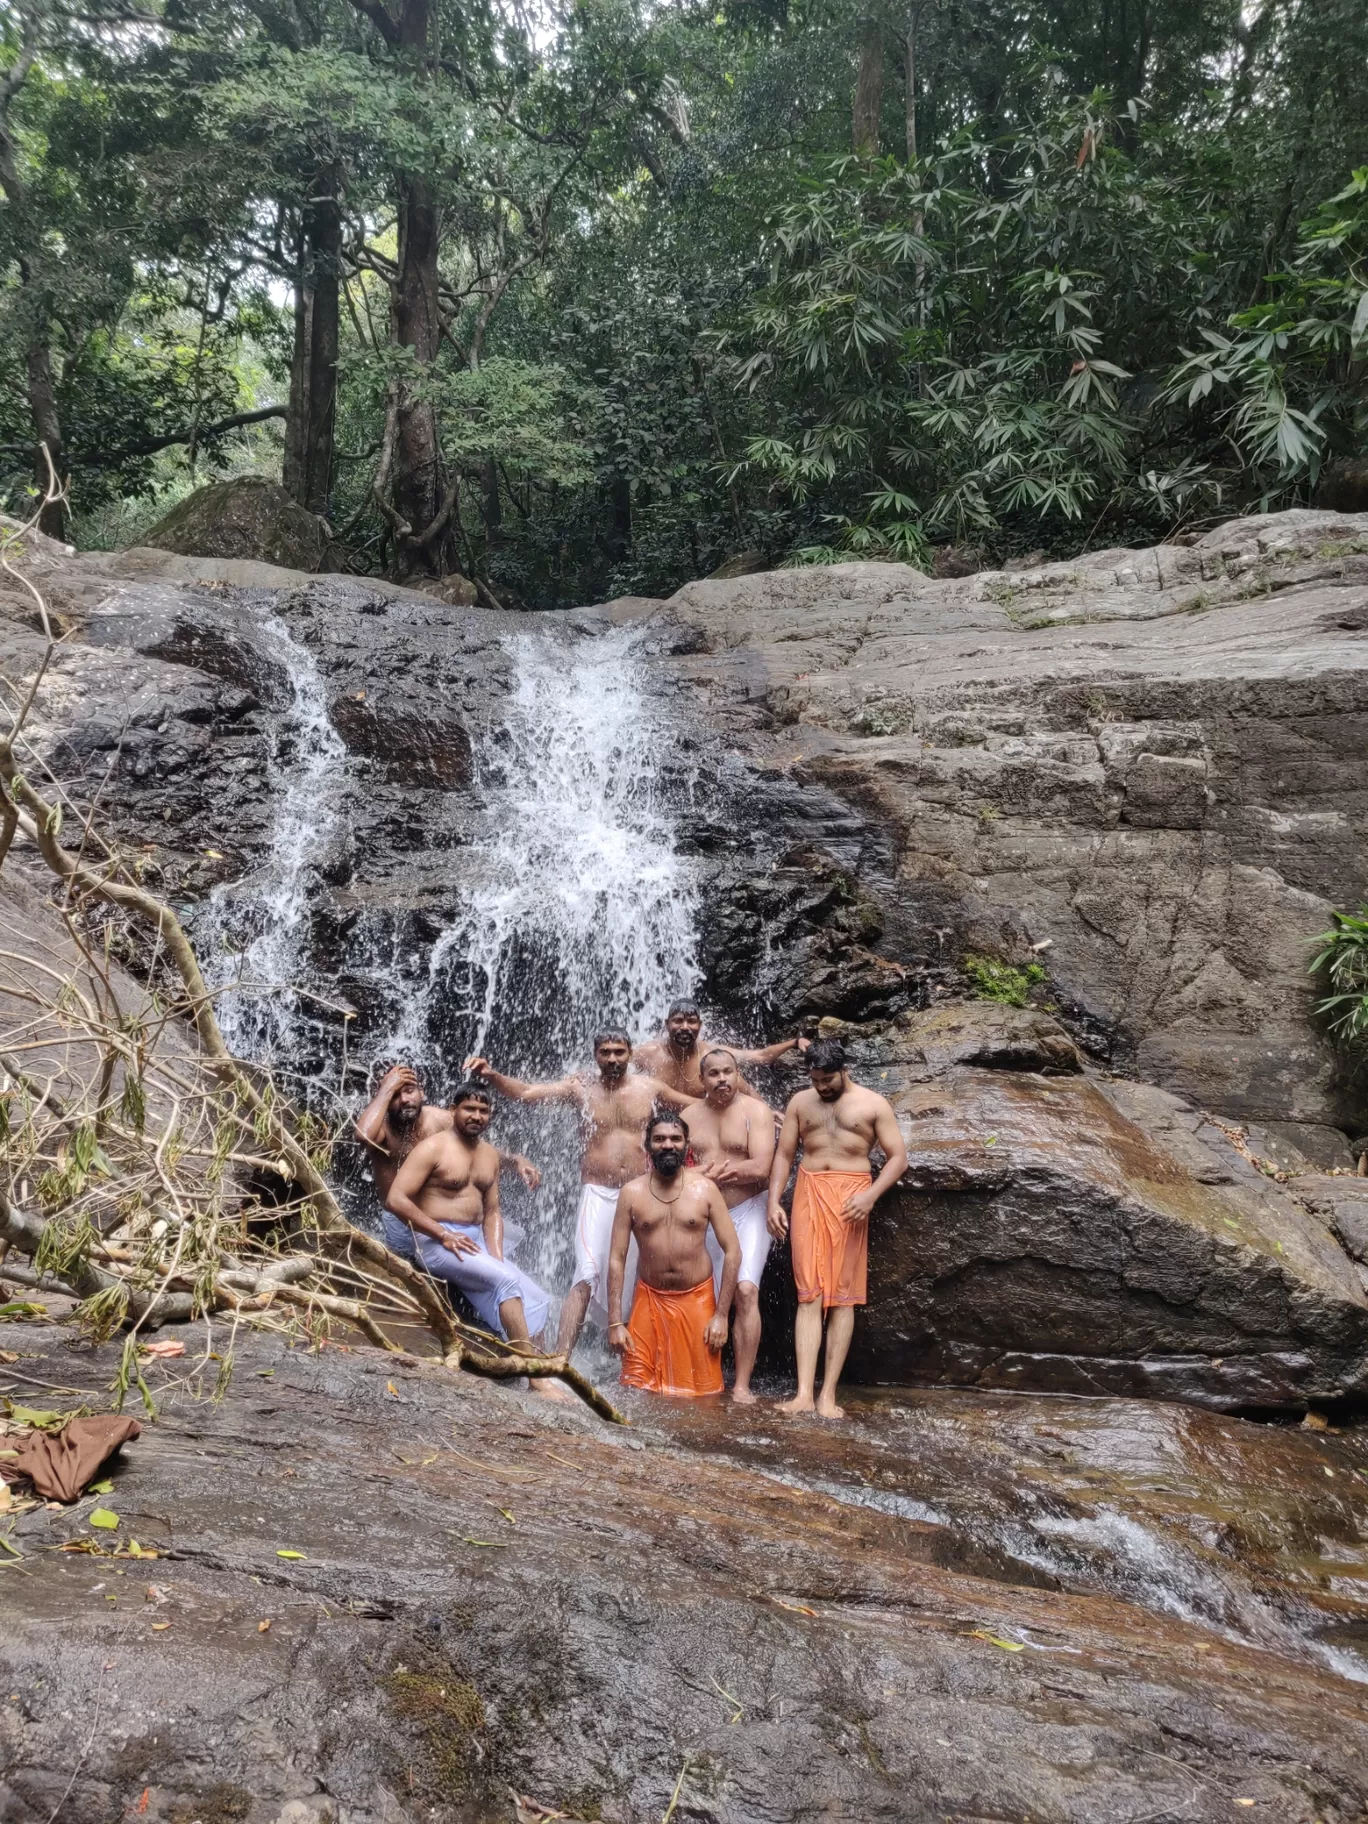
(1342, 965)
(994, 980)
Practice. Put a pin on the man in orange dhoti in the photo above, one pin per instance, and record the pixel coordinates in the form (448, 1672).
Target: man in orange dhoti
(678, 1329)
(838, 1124)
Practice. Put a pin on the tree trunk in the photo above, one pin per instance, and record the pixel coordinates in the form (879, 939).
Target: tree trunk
(910, 86)
(313, 370)
(619, 541)
(493, 507)
(868, 93)
(47, 430)
(417, 326)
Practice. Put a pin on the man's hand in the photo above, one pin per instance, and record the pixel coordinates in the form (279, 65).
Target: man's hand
(776, 1221)
(723, 1171)
(458, 1244)
(858, 1205)
(395, 1078)
(476, 1066)
(618, 1338)
(802, 1045)
(715, 1336)
(525, 1169)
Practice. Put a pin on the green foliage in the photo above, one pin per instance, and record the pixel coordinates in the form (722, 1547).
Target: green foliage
(992, 979)
(1342, 965)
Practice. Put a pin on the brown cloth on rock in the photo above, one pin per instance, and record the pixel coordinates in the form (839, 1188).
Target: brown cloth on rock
(60, 1466)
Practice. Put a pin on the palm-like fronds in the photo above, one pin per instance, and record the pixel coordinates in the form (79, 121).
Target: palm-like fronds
(1342, 965)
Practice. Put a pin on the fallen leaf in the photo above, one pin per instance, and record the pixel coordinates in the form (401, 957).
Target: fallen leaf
(263, 1627)
(264, 1374)
(101, 1488)
(391, 1388)
(996, 1640)
(9, 1355)
(104, 1518)
(1246, 1801)
(154, 1593)
(507, 1513)
(359, 696)
(144, 1801)
(798, 1608)
(214, 854)
(165, 1347)
(160, 1627)
(493, 1544)
(289, 1554)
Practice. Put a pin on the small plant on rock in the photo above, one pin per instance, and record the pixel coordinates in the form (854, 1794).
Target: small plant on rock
(992, 979)
(1342, 966)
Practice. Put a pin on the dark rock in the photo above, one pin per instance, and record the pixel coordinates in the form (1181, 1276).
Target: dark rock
(416, 747)
(1343, 487)
(695, 1612)
(1042, 1238)
(741, 563)
(249, 517)
(956, 560)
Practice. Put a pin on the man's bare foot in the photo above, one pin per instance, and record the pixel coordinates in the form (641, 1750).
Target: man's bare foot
(742, 1396)
(547, 1388)
(799, 1403)
(828, 1409)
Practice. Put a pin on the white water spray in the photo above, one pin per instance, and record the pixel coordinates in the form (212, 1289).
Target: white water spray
(253, 933)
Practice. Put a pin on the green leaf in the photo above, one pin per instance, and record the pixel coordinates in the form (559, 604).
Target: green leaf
(285, 1554)
(104, 1518)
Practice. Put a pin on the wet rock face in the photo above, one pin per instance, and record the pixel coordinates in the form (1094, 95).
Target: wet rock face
(1080, 1237)
(1078, 1613)
(1148, 757)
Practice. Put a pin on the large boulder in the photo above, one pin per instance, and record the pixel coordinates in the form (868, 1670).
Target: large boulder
(1150, 758)
(1078, 1236)
(247, 518)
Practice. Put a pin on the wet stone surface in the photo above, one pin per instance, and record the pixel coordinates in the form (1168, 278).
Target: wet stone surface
(959, 1606)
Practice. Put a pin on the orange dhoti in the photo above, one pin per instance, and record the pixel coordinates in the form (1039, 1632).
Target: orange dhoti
(666, 1352)
(830, 1253)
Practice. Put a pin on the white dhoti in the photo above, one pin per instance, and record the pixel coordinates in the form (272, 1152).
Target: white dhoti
(752, 1231)
(593, 1241)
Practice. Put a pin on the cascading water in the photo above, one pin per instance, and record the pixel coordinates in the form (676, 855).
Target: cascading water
(577, 912)
(252, 933)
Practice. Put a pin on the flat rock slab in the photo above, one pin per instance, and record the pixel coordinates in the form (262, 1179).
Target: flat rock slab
(482, 1595)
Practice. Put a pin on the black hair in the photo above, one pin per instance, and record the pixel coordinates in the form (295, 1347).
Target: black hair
(472, 1090)
(612, 1032)
(658, 1118)
(689, 1007)
(717, 1051)
(382, 1065)
(826, 1054)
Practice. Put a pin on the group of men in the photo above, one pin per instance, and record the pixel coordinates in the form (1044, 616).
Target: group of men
(682, 1180)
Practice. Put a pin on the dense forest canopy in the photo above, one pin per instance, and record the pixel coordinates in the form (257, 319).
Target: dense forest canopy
(586, 299)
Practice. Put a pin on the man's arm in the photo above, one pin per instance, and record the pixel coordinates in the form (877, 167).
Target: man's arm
(523, 1166)
(769, 1054)
(566, 1089)
(785, 1151)
(370, 1123)
(668, 1097)
(715, 1336)
(617, 1270)
(888, 1137)
(408, 1185)
(493, 1216)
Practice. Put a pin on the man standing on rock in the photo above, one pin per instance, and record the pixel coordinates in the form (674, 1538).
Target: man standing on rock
(731, 1138)
(675, 1058)
(613, 1110)
(838, 1124)
(398, 1116)
(678, 1328)
(443, 1207)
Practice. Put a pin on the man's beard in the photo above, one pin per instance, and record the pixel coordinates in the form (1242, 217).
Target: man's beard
(404, 1118)
(668, 1161)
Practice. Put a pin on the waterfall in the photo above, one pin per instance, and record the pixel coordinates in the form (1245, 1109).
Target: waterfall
(253, 933)
(576, 912)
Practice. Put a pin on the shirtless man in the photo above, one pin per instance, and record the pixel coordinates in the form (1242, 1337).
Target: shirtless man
(676, 1057)
(613, 1111)
(837, 1124)
(678, 1328)
(731, 1137)
(398, 1116)
(444, 1204)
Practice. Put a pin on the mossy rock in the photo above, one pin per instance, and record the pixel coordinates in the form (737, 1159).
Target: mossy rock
(249, 517)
